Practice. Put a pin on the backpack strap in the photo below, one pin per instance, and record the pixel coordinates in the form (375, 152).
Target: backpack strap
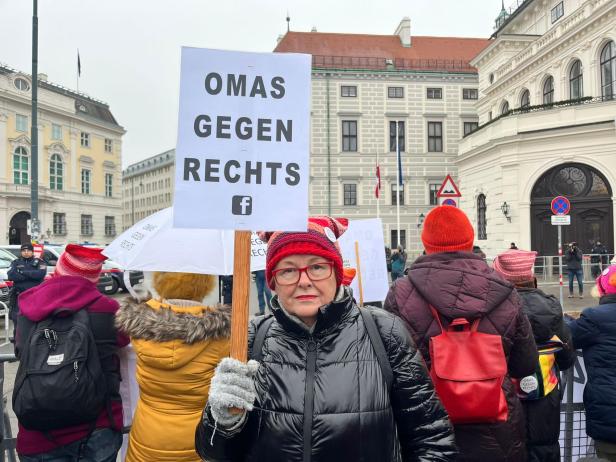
(377, 344)
(257, 345)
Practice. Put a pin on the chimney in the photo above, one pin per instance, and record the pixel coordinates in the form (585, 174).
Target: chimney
(42, 77)
(279, 39)
(404, 31)
(314, 29)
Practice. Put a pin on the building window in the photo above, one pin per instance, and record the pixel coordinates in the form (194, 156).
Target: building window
(434, 187)
(21, 123)
(394, 238)
(108, 185)
(557, 12)
(395, 92)
(86, 225)
(21, 163)
(56, 173)
(491, 78)
(110, 226)
(392, 136)
(348, 91)
(575, 80)
(59, 224)
(350, 194)
(548, 90)
(490, 115)
(85, 181)
(505, 107)
(608, 70)
(349, 135)
(435, 136)
(85, 139)
(22, 84)
(397, 193)
(470, 93)
(482, 233)
(525, 99)
(56, 132)
(470, 127)
(108, 145)
(435, 93)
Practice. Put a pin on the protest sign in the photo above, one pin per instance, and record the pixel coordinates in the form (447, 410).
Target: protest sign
(242, 155)
(371, 248)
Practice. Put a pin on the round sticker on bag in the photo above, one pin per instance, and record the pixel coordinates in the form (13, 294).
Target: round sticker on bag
(529, 384)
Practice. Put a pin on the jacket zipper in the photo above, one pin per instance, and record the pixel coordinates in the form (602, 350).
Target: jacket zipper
(311, 361)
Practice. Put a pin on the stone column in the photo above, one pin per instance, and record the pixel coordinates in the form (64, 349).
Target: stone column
(4, 148)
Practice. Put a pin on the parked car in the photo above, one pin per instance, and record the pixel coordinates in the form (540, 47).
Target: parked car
(117, 273)
(5, 263)
(4, 293)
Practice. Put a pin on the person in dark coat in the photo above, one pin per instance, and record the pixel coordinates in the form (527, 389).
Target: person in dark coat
(595, 334)
(318, 393)
(574, 259)
(540, 392)
(599, 258)
(26, 272)
(459, 284)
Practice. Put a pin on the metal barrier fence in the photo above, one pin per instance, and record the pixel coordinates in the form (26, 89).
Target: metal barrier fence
(579, 444)
(546, 267)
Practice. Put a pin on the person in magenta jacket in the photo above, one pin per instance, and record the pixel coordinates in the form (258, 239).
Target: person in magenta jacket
(73, 287)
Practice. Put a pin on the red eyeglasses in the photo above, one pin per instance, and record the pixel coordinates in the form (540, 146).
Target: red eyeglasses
(315, 272)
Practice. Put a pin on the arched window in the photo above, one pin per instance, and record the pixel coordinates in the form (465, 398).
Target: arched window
(20, 165)
(482, 233)
(576, 89)
(56, 173)
(548, 90)
(608, 70)
(505, 107)
(525, 99)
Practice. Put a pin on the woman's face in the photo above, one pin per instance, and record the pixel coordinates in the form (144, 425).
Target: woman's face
(304, 298)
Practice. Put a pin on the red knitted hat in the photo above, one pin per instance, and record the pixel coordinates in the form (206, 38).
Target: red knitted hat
(447, 229)
(320, 239)
(516, 265)
(76, 260)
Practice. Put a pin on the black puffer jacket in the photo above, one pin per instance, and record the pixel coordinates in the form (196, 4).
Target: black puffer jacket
(321, 396)
(543, 415)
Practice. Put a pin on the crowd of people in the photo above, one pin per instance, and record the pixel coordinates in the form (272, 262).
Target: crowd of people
(462, 363)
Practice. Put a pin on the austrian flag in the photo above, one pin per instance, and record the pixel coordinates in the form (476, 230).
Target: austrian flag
(377, 188)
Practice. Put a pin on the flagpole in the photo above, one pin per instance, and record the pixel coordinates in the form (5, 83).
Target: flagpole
(378, 198)
(78, 69)
(398, 166)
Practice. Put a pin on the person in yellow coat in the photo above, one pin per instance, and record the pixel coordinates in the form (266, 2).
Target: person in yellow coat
(178, 342)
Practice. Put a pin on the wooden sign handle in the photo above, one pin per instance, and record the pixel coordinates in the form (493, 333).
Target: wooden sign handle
(241, 296)
(359, 282)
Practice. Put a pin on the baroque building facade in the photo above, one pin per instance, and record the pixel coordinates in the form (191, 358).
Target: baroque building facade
(547, 115)
(79, 163)
(363, 88)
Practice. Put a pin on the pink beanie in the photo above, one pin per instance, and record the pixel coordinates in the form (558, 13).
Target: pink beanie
(76, 260)
(515, 265)
(606, 283)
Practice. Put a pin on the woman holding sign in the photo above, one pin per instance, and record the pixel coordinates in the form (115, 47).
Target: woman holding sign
(327, 381)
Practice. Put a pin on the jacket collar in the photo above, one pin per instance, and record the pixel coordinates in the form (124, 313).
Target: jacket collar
(328, 316)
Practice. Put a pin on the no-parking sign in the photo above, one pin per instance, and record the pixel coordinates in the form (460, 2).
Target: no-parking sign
(560, 205)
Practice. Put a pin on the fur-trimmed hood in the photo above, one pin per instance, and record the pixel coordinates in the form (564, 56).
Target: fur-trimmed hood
(140, 321)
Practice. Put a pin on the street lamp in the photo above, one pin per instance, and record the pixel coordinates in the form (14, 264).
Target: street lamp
(421, 220)
(505, 209)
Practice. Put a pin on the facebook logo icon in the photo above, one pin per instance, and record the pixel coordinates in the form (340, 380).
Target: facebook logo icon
(241, 205)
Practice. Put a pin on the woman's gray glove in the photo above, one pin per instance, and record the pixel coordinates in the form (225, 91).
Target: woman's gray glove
(232, 387)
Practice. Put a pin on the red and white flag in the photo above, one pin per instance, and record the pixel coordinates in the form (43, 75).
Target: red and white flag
(377, 188)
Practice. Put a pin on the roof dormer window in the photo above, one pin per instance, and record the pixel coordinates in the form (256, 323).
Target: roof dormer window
(21, 84)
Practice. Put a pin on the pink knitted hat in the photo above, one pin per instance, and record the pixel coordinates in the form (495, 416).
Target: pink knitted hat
(606, 283)
(76, 260)
(515, 265)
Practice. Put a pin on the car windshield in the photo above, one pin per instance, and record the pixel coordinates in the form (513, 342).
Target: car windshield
(4, 262)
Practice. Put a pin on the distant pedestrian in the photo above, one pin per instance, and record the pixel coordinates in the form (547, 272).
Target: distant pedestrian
(477, 251)
(79, 368)
(574, 259)
(263, 293)
(595, 334)
(446, 294)
(540, 392)
(398, 263)
(227, 289)
(513, 246)
(599, 258)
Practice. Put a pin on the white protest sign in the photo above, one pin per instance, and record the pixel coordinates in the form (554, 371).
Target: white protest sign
(242, 155)
(369, 235)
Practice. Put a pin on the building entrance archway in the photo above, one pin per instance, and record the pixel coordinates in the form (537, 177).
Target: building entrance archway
(18, 228)
(591, 213)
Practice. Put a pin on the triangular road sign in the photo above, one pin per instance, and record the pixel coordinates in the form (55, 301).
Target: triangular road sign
(448, 188)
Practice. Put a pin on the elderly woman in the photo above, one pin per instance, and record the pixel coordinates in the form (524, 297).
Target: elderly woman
(319, 391)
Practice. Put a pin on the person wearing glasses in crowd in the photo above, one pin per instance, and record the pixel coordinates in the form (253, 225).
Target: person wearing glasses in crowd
(325, 382)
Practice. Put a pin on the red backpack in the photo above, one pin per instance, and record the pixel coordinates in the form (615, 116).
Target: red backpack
(468, 370)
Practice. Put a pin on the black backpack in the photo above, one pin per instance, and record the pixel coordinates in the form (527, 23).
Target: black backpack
(60, 381)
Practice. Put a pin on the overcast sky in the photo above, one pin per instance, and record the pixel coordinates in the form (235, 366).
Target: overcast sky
(130, 49)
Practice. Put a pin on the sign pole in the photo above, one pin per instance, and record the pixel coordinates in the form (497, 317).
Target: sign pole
(241, 296)
(359, 283)
(560, 263)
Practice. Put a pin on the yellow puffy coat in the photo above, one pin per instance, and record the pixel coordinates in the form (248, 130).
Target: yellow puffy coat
(178, 345)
